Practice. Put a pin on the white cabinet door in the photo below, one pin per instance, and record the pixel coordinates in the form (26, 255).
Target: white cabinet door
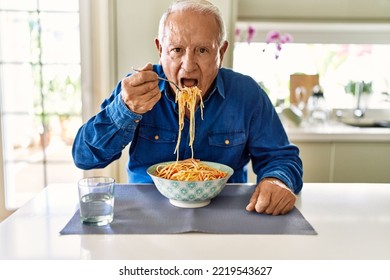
(362, 162)
(317, 158)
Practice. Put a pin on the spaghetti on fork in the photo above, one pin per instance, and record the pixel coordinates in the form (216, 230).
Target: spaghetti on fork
(186, 99)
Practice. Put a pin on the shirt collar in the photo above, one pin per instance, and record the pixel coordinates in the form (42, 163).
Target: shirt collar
(219, 84)
(217, 87)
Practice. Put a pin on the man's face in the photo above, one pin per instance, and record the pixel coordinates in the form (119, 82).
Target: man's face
(190, 53)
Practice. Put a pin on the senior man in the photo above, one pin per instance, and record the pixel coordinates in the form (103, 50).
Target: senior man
(239, 121)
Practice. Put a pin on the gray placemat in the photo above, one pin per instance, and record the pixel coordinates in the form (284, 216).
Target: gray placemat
(141, 209)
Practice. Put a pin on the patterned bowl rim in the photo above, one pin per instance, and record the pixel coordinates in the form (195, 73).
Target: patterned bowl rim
(225, 168)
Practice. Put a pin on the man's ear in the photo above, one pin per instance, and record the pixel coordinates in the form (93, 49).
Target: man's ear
(222, 51)
(158, 46)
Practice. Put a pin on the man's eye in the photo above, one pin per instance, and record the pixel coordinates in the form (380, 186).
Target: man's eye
(202, 50)
(176, 50)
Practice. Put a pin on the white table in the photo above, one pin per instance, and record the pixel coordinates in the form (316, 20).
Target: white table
(352, 221)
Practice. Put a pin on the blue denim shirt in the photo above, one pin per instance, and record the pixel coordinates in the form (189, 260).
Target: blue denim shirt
(239, 124)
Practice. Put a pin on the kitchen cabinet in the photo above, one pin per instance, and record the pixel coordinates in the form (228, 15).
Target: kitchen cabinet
(343, 162)
(316, 158)
(337, 153)
(366, 162)
(341, 153)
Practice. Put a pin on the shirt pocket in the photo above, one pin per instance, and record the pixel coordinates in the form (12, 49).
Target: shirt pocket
(154, 144)
(227, 139)
(157, 135)
(227, 147)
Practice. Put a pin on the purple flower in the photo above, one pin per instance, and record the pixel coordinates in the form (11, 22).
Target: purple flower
(272, 36)
(286, 38)
(279, 39)
(251, 33)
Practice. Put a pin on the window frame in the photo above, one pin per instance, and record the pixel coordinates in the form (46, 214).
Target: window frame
(321, 32)
(7, 208)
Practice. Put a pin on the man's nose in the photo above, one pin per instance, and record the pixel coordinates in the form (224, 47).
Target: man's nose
(189, 62)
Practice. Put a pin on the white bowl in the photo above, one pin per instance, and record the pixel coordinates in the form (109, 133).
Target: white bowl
(190, 194)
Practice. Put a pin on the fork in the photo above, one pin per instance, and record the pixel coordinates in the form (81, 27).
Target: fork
(163, 79)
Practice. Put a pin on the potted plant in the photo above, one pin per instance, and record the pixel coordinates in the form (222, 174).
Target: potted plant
(360, 90)
(352, 87)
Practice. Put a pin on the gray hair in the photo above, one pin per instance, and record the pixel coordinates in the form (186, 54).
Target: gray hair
(202, 6)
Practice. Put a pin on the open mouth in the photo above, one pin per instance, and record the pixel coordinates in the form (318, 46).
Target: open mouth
(188, 82)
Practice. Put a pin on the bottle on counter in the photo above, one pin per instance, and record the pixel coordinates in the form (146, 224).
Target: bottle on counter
(318, 111)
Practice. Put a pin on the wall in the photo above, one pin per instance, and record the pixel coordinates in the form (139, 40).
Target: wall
(137, 25)
(315, 10)
(315, 21)
(98, 61)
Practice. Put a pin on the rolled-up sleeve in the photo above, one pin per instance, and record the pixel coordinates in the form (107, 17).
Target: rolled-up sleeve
(103, 137)
(271, 152)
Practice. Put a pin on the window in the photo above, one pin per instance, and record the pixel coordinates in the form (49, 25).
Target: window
(339, 53)
(40, 94)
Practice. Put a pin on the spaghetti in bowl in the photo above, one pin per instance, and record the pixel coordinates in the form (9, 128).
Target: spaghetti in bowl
(190, 193)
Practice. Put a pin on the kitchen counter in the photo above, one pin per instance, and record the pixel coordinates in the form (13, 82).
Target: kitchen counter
(339, 129)
(335, 131)
(352, 222)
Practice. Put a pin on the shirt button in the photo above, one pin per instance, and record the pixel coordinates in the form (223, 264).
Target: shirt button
(136, 121)
(227, 142)
(156, 137)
